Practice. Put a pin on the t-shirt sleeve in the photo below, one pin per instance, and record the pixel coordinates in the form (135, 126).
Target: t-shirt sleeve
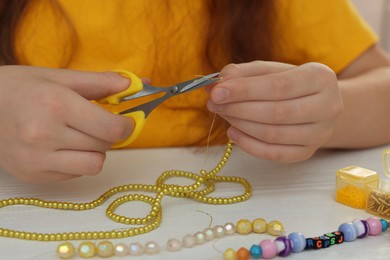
(326, 31)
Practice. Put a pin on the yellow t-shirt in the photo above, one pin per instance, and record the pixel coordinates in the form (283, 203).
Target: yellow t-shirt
(164, 40)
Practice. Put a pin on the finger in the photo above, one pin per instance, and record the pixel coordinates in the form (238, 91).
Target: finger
(252, 69)
(96, 121)
(302, 134)
(303, 111)
(73, 139)
(146, 81)
(81, 163)
(91, 85)
(298, 82)
(272, 152)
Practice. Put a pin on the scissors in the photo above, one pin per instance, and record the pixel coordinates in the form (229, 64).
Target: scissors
(138, 89)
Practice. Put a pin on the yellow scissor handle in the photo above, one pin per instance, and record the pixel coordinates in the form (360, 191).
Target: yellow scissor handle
(136, 85)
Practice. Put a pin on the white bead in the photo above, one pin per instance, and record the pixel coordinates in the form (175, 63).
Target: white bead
(199, 238)
(152, 248)
(189, 241)
(173, 245)
(121, 249)
(136, 249)
(209, 234)
(230, 228)
(219, 231)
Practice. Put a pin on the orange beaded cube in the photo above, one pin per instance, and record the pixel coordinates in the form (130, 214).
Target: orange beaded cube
(352, 183)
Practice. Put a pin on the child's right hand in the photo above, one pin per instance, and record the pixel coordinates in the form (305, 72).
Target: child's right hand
(50, 131)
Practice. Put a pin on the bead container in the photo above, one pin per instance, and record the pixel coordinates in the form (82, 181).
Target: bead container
(378, 199)
(352, 184)
(386, 162)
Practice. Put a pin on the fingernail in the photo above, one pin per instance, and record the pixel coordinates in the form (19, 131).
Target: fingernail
(232, 134)
(129, 129)
(220, 94)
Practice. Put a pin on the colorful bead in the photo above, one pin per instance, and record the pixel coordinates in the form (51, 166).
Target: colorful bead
(243, 227)
(325, 241)
(275, 228)
(385, 224)
(349, 231)
(317, 242)
(87, 249)
(269, 249)
(335, 237)
(65, 250)
(284, 245)
(105, 249)
(259, 225)
(375, 226)
(243, 254)
(256, 251)
(298, 241)
(361, 227)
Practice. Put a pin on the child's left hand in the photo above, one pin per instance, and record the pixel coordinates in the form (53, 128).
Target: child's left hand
(278, 111)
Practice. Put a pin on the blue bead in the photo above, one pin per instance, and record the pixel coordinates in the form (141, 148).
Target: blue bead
(256, 251)
(349, 231)
(298, 241)
(385, 224)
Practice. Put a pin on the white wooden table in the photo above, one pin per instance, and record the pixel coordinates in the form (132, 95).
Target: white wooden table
(301, 195)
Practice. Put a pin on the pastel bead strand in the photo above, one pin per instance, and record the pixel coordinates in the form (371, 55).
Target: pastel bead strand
(296, 242)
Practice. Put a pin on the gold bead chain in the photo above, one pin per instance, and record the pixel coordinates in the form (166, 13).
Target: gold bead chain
(152, 220)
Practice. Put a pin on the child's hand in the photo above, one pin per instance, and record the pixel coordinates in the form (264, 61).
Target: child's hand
(49, 130)
(278, 111)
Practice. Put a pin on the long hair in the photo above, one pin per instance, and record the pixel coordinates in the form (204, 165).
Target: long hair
(10, 13)
(239, 30)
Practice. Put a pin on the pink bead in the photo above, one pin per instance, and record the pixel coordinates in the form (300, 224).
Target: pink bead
(375, 226)
(269, 249)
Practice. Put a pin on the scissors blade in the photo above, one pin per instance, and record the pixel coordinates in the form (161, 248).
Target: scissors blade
(169, 92)
(197, 83)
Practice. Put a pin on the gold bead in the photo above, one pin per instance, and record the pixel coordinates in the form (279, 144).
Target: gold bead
(65, 250)
(105, 249)
(87, 249)
(259, 225)
(244, 227)
(275, 228)
(230, 254)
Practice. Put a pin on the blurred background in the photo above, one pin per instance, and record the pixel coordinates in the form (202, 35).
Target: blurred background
(377, 14)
